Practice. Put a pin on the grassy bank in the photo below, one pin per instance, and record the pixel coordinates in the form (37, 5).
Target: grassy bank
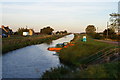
(12, 43)
(80, 56)
(107, 70)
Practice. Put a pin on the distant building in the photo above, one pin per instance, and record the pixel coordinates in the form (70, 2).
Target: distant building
(31, 32)
(5, 31)
(25, 33)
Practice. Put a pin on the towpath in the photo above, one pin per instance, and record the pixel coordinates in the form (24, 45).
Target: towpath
(110, 42)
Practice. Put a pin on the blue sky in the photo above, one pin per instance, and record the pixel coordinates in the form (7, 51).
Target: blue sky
(73, 15)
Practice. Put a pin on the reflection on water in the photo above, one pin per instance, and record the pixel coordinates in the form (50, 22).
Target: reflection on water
(31, 61)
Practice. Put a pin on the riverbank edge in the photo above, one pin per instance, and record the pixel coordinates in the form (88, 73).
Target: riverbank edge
(28, 43)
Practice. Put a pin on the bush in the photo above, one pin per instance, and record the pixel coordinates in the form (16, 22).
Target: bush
(115, 37)
(56, 73)
(96, 36)
(108, 70)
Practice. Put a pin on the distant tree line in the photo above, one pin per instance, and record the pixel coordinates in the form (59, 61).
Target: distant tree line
(47, 30)
(107, 33)
(21, 30)
(110, 33)
(61, 32)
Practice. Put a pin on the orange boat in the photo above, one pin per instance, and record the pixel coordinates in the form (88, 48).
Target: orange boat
(70, 44)
(60, 46)
(54, 49)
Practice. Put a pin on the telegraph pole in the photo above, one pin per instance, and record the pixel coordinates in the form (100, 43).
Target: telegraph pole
(26, 27)
(97, 29)
(107, 30)
(119, 17)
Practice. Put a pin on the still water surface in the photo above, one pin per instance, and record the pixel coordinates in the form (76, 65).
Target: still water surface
(31, 61)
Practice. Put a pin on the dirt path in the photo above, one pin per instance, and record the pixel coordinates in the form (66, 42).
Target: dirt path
(110, 42)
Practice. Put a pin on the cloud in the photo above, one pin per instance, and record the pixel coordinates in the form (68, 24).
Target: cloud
(50, 7)
(56, 13)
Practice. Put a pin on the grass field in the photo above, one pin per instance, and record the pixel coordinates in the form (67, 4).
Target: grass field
(12, 43)
(77, 56)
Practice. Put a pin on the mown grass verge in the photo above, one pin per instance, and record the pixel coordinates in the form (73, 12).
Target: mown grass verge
(13, 43)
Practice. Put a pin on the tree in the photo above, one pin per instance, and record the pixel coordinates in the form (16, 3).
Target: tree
(47, 30)
(110, 31)
(115, 21)
(97, 36)
(65, 31)
(21, 30)
(61, 32)
(57, 32)
(90, 29)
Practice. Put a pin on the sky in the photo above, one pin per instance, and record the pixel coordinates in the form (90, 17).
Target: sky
(72, 15)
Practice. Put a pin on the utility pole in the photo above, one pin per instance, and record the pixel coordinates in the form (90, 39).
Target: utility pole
(107, 30)
(118, 17)
(26, 27)
(97, 30)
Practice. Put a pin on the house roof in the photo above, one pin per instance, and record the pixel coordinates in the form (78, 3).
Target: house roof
(6, 27)
(2, 31)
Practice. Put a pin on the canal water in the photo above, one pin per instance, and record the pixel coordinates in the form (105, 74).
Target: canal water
(31, 61)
